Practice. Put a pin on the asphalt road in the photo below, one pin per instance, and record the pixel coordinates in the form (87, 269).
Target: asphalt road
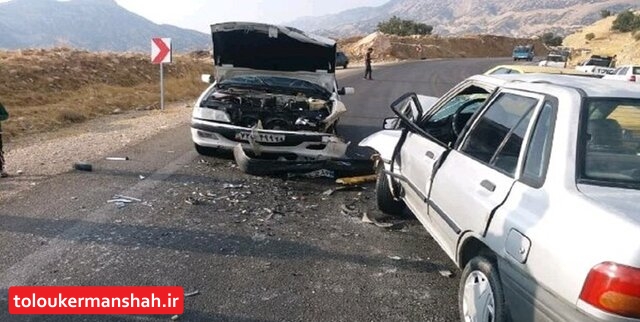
(257, 249)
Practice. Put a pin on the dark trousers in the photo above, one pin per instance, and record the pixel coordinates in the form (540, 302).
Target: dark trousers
(1, 155)
(367, 71)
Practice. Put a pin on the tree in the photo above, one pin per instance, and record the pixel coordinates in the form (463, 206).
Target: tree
(589, 36)
(626, 21)
(551, 39)
(400, 27)
(605, 13)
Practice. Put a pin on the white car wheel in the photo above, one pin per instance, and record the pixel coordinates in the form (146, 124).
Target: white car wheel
(481, 298)
(477, 301)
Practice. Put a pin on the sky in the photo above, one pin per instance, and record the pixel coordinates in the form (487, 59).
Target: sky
(199, 14)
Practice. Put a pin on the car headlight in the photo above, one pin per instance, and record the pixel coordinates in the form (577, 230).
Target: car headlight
(211, 114)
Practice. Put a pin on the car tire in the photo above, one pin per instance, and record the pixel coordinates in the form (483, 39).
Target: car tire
(344, 66)
(386, 202)
(206, 151)
(480, 294)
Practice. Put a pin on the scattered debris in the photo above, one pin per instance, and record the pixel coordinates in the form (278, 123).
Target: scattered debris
(192, 201)
(83, 166)
(341, 188)
(122, 201)
(190, 294)
(233, 186)
(322, 173)
(19, 172)
(368, 220)
(175, 317)
(126, 197)
(142, 177)
(446, 273)
(117, 158)
(348, 209)
(395, 258)
(357, 180)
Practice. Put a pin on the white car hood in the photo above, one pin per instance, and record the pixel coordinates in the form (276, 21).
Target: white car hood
(268, 47)
(624, 202)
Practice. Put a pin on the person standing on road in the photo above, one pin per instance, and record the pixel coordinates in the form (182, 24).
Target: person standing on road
(367, 64)
(3, 117)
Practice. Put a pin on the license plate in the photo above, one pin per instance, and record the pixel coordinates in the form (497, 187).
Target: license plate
(260, 137)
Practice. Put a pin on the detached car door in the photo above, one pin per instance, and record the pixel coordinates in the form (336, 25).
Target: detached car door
(476, 176)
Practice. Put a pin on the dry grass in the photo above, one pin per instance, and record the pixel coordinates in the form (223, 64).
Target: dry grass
(606, 42)
(47, 89)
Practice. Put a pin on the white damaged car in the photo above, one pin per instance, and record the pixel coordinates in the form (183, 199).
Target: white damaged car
(274, 92)
(530, 184)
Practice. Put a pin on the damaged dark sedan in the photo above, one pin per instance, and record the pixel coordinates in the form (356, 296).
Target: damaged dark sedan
(274, 93)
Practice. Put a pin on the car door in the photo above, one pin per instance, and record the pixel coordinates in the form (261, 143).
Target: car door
(421, 152)
(478, 174)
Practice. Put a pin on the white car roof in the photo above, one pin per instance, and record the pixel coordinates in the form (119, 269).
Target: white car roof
(593, 87)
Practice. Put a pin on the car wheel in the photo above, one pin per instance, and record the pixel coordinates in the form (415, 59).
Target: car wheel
(345, 66)
(480, 296)
(386, 202)
(203, 150)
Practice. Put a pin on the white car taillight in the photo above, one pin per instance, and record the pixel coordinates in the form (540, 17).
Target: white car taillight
(613, 288)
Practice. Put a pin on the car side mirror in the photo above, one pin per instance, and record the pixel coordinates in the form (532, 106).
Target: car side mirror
(408, 107)
(206, 78)
(346, 91)
(390, 123)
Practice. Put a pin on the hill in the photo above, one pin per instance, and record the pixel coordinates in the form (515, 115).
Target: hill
(606, 42)
(96, 25)
(517, 18)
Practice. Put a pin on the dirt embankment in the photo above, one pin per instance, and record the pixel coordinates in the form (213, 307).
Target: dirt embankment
(48, 89)
(605, 42)
(390, 47)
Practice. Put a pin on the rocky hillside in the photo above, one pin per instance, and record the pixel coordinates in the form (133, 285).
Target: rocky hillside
(87, 24)
(513, 18)
(387, 47)
(605, 42)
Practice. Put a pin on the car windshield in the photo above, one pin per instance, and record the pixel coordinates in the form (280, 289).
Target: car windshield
(273, 83)
(598, 62)
(611, 142)
(555, 58)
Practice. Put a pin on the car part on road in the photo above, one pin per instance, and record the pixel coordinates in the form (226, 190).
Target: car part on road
(190, 294)
(83, 166)
(357, 180)
(341, 167)
(342, 188)
(368, 220)
(117, 158)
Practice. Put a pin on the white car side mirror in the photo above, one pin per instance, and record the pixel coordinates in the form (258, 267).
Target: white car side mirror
(347, 91)
(206, 78)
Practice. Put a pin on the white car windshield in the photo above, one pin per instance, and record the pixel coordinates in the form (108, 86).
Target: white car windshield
(611, 142)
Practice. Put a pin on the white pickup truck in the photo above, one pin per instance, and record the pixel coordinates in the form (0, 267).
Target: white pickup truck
(630, 73)
(597, 65)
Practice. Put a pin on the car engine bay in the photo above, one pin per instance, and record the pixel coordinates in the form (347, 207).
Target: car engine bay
(271, 111)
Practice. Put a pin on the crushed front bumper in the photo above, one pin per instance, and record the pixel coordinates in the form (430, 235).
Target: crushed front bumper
(306, 145)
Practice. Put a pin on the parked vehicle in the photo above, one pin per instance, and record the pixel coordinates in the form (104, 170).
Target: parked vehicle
(629, 73)
(597, 64)
(554, 60)
(274, 92)
(528, 69)
(530, 183)
(342, 60)
(523, 52)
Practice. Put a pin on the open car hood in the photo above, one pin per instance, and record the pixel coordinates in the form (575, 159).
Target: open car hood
(267, 47)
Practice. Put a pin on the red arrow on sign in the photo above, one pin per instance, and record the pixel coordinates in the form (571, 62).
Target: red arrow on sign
(162, 50)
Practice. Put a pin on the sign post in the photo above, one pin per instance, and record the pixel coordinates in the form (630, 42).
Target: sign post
(160, 54)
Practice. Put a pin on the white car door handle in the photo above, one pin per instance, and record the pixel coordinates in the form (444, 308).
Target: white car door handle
(430, 155)
(488, 185)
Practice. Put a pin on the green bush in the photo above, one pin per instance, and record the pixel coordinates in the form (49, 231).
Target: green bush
(626, 21)
(550, 39)
(589, 36)
(400, 27)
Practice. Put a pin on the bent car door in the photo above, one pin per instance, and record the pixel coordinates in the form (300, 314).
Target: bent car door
(421, 152)
(476, 176)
